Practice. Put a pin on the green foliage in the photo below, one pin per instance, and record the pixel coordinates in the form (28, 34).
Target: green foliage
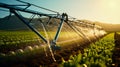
(72, 62)
(98, 54)
(11, 40)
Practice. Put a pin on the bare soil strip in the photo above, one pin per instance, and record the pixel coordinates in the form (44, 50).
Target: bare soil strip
(116, 53)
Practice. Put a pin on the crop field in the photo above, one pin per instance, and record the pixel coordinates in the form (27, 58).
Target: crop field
(88, 48)
(25, 49)
(16, 45)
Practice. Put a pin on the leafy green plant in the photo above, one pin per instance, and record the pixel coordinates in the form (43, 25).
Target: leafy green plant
(98, 54)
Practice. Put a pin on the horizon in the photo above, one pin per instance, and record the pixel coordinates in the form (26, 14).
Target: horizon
(80, 19)
(103, 11)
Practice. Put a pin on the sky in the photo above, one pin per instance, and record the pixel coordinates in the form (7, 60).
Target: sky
(95, 10)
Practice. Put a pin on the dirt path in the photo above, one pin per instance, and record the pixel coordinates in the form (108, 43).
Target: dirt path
(116, 53)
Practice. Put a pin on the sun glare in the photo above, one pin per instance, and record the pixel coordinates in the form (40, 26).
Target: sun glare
(112, 4)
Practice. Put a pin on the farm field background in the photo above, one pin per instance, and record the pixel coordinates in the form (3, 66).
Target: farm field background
(98, 53)
(25, 46)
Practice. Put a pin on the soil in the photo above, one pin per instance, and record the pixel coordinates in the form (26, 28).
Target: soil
(116, 53)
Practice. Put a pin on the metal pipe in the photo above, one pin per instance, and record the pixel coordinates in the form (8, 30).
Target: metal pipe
(59, 28)
(28, 10)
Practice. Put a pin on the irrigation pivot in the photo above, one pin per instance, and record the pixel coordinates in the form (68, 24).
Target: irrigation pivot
(64, 18)
(58, 35)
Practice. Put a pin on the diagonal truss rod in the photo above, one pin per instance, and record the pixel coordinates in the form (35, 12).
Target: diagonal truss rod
(27, 23)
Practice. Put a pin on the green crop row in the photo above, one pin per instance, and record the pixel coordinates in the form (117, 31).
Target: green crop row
(13, 40)
(98, 54)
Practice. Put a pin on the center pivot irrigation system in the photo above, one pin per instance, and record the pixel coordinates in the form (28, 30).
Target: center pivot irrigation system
(64, 18)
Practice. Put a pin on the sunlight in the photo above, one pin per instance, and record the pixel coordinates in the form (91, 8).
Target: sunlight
(112, 4)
